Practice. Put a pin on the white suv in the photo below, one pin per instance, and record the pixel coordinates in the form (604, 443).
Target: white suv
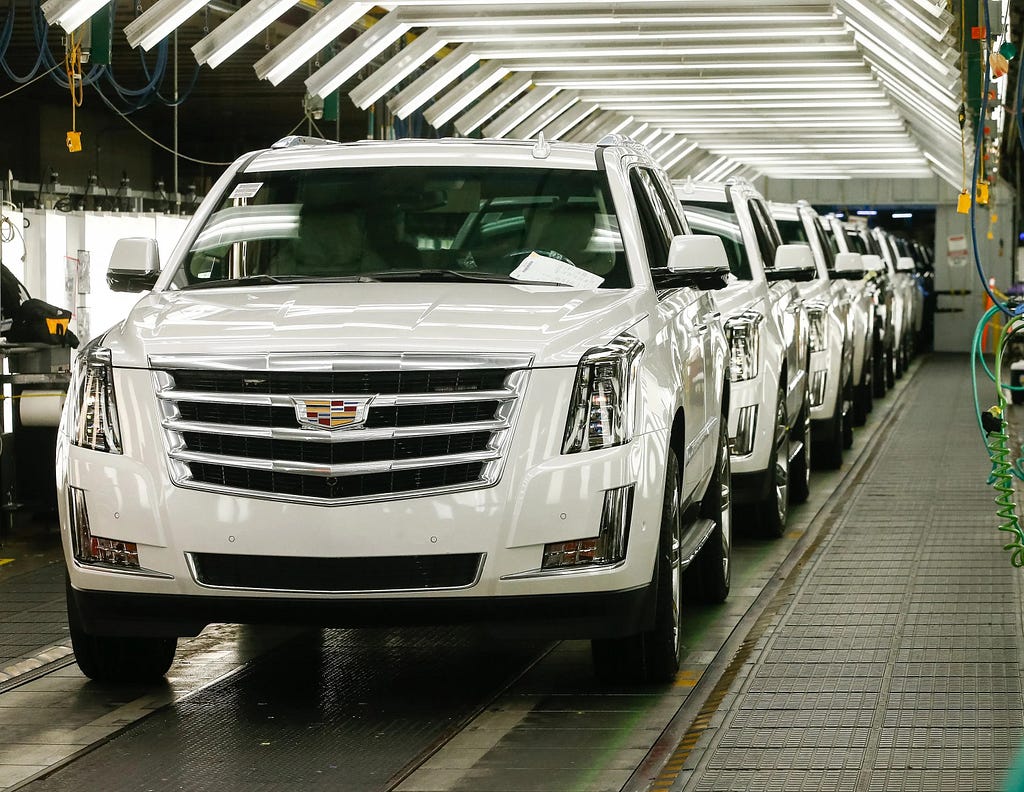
(393, 382)
(835, 322)
(766, 325)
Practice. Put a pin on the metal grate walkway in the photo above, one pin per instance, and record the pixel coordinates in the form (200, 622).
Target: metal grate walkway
(893, 662)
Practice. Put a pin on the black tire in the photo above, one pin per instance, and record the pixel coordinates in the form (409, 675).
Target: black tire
(1016, 396)
(709, 577)
(828, 454)
(899, 363)
(863, 400)
(774, 509)
(653, 655)
(107, 658)
(848, 416)
(800, 466)
(879, 378)
(890, 368)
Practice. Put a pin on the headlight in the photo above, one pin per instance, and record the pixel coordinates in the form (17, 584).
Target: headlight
(93, 410)
(817, 327)
(603, 399)
(744, 335)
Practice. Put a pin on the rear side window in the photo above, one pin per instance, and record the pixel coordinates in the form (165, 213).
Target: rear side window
(828, 244)
(767, 242)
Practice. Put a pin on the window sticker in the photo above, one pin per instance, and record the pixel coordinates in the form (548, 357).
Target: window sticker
(536, 267)
(246, 190)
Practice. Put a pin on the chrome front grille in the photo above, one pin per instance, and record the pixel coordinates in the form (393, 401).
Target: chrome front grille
(425, 424)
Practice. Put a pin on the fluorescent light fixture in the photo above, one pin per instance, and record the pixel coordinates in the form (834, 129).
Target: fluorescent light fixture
(529, 50)
(679, 156)
(440, 76)
(238, 29)
(158, 21)
(867, 212)
(311, 37)
(493, 102)
(840, 215)
(569, 120)
(902, 215)
(538, 35)
(465, 93)
(519, 112)
(543, 116)
(395, 70)
(343, 66)
(70, 14)
(594, 129)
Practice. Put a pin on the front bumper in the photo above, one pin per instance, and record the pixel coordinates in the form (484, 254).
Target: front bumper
(542, 497)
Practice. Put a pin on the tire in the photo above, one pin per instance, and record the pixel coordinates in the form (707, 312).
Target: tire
(108, 658)
(899, 364)
(890, 368)
(828, 455)
(653, 655)
(710, 575)
(773, 510)
(848, 417)
(863, 401)
(878, 368)
(800, 465)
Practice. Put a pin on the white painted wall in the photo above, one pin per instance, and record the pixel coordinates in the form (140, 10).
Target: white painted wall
(51, 271)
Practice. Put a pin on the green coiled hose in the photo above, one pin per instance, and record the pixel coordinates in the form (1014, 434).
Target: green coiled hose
(997, 441)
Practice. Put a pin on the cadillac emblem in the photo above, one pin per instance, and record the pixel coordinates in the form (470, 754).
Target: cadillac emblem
(331, 413)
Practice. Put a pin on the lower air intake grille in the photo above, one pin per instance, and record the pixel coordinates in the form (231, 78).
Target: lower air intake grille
(287, 573)
(363, 486)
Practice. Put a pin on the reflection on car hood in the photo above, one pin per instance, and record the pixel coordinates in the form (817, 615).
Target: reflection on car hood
(556, 325)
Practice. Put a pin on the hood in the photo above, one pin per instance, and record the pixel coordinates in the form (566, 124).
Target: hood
(556, 325)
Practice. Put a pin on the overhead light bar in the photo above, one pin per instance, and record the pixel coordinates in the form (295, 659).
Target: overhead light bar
(311, 37)
(238, 29)
(569, 120)
(343, 66)
(465, 93)
(70, 14)
(595, 128)
(158, 21)
(397, 69)
(675, 159)
(660, 82)
(519, 112)
(493, 102)
(935, 24)
(529, 50)
(440, 76)
(543, 116)
(585, 61)
(539, 35)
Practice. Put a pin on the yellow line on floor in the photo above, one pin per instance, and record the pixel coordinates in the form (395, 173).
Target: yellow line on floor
(5, 561)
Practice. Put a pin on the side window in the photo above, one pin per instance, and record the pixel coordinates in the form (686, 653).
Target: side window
(827, 245)
(654, 223)
(762, 229)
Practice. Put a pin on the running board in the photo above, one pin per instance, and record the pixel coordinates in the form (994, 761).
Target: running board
(694, 539)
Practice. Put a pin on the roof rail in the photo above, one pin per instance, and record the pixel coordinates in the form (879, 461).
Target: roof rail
(618, 139)
(301, 140)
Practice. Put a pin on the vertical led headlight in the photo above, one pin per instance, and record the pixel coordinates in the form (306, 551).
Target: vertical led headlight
(604, 400)
(744, 335)
(94, 410)
(817, 327)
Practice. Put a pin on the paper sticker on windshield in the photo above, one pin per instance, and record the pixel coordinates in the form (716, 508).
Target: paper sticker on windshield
(246, 190)
(536, 267)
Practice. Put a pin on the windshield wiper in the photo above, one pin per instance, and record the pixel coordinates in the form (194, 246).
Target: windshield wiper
(441, 275)
(276, 280)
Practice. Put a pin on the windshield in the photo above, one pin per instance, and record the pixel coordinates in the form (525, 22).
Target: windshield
(723, 224)
(411, 223)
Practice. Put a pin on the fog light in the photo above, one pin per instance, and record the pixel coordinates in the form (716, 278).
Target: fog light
(89, 549)
(743, 443)
(608, 547)
(819, 379)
